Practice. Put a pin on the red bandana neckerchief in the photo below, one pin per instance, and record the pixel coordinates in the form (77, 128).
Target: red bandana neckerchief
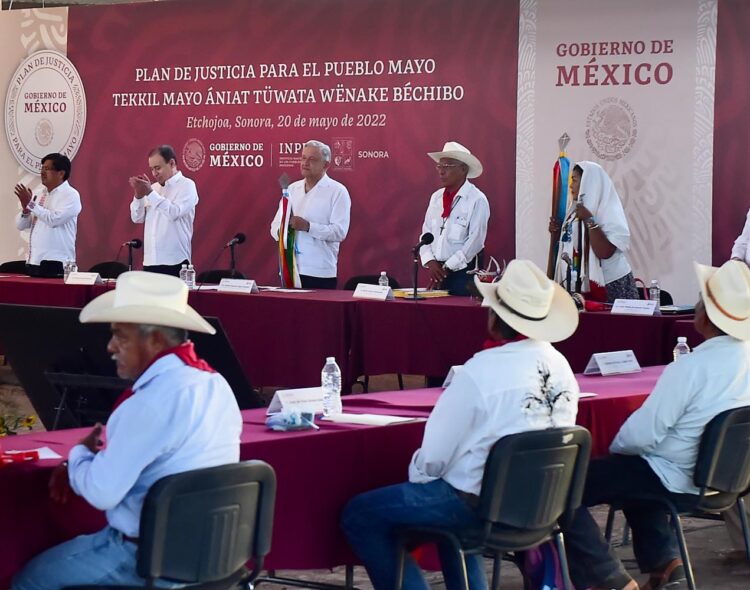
(489, 343)
(185, 352)
(448, 201)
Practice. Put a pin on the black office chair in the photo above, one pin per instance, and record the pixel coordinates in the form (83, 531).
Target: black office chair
(352, 282)
(351, 285)
(15, 267)
(201, 527)
(530, 481)
(213, 277)
(722, 474)
(110, 269)
(665, 297)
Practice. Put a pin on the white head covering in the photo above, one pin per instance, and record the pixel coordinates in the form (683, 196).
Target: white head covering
(598, 195)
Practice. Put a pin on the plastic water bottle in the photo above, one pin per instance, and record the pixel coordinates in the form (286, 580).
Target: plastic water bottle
(654, 294)
(681, 349)
(383, 280)
(66, 270)
(190, 276)
(330, 381)
(73, 266)
(183, 273)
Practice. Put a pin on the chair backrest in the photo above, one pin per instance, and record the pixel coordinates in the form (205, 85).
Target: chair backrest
(532, 478)
(110, 269)
(352, 282)
(214, 276)
(723, 462)
(14, 267)
(202, 526)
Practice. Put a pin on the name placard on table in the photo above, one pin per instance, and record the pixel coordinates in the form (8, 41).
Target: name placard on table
(237, 286)
(377, 292)
(83, 278)
(634, 306)
(306, 399)
(612, 363)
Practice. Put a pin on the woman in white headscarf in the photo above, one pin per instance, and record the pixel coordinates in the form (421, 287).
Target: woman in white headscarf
(595, 235)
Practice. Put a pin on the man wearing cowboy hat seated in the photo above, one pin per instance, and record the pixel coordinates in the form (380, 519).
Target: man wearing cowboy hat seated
(178, 416)
(655, 450)
(518, 383)
(457, 218)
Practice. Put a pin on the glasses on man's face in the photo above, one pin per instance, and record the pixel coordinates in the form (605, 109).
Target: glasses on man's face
(440, 167)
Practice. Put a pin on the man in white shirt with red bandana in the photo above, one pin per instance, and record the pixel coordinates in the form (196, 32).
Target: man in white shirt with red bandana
(178, 416)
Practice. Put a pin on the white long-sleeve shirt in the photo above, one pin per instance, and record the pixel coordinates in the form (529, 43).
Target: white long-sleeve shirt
(179, 418)
(53, 236)
(666, 430)
(168, 212)
(327, 207)
(740, 249)
(525, 385)
(460, 238)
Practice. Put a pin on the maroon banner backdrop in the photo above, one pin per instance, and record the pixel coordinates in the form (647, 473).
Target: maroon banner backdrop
(236, 86)
(731, 196)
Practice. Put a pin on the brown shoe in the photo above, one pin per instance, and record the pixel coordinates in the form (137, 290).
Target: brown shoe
(672, 577)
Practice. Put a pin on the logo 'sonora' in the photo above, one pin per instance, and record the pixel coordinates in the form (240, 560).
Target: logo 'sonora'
(611, 128)
(45, 109)
(194, 154)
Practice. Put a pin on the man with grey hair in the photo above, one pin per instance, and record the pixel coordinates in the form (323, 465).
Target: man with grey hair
(179, 415)
(320, 216)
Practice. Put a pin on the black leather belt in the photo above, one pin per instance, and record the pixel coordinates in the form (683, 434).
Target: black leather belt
(133, 540)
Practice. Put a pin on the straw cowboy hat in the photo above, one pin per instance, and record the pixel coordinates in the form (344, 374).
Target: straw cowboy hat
(726, 294)
(455, 151)
(146, 298)
(530, 303)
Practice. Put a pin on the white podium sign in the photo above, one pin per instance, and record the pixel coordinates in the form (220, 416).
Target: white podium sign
(237, 286)
(634, 306)
(612, 363)
(307, 399)
(376, 292)
(83, 278)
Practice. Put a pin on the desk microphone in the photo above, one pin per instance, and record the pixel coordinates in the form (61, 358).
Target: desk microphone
(238, 238)
(134, 243)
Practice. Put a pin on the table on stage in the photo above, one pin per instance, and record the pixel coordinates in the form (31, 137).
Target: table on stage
(428, 337)
(317, 471)
(282, 339)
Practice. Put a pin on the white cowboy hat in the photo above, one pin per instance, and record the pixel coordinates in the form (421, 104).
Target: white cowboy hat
(146, 298)
(530, 303)
(726, 295)
(455, 151)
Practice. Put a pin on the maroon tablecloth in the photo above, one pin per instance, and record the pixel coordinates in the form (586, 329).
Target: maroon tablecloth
(427, 337)
(283, 338)
(317, 471)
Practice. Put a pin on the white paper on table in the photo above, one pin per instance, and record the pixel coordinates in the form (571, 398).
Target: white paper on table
(586, 394)
(44, 453)
(294, 290)
(369, 419)
(202, 287)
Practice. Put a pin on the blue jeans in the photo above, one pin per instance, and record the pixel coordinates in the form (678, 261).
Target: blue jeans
(368, 521)
(102, 558)
(616, 479)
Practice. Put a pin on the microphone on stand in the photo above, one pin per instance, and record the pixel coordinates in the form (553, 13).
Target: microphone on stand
(568, 271)
(424, 240)
(135, 243)
(239, 238)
